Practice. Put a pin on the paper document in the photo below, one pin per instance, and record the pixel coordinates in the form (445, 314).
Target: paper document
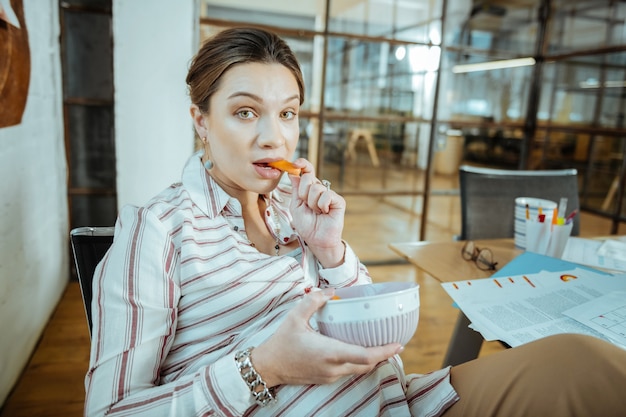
(613, 249)
(522, 308)
(606, 314)
(609, 254)
(530, 263)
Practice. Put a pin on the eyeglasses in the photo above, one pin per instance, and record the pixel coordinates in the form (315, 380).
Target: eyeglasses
(483, 258)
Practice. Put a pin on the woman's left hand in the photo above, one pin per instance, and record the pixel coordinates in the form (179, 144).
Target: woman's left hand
(297, 354)
(318, 215)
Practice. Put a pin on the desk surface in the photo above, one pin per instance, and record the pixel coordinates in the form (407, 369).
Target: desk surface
(443, 260)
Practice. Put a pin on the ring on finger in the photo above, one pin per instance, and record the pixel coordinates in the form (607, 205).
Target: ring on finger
(326, 184)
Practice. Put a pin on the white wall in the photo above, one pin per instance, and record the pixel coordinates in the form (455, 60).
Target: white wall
(34, 261)
(154, 43)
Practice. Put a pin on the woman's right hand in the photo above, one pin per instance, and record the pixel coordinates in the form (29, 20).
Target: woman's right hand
(298, 355)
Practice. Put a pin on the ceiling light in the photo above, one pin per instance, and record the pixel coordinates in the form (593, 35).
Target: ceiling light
(592, 83)
(493, 65)
(400, 53)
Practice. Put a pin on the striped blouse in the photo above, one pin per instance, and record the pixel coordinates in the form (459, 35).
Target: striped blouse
(182, 289)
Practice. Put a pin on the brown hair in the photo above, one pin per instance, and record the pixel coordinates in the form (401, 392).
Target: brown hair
(231, 47)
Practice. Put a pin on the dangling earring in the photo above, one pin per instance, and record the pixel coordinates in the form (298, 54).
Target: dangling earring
(208, 164)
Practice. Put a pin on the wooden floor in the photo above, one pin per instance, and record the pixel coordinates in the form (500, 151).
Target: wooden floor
(52, 383)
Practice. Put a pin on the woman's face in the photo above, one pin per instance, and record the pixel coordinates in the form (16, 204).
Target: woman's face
(252, 120)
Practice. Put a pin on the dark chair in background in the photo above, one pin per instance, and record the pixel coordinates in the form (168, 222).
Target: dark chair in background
(488, 197)
(89, 245)
(488, 212)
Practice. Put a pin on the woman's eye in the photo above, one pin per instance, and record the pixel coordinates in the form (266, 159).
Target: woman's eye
(245, 114)
(288, 115)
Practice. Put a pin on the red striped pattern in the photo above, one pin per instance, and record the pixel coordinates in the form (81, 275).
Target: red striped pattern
(180, 291)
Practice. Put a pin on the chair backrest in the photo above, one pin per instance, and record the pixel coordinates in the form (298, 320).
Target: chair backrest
(89, 245)
(488, 197)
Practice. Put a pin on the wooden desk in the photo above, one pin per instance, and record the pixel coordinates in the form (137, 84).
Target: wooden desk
(443, 261)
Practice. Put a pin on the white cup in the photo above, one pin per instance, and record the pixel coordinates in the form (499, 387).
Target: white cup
(547, 207)
(558, 239)
(547, 239)
(537, 236)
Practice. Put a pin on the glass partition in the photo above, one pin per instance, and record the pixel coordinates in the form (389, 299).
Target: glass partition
(371, 78)
(410, 21)
(586, 25)
(539, 85)
(399, 92)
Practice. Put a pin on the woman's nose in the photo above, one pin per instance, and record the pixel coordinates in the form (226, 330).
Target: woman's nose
(270, 133)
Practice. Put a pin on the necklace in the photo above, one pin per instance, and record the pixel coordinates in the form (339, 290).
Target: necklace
(276, 229)
(276, 247)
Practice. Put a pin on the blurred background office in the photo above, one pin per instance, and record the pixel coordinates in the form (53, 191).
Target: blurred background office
(399, 93)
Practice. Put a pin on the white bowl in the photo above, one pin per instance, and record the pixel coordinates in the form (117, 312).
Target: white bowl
(372, 314)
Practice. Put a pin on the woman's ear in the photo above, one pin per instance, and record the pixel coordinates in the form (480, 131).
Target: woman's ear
(199, 121)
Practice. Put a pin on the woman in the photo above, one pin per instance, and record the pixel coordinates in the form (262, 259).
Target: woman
(203, 305)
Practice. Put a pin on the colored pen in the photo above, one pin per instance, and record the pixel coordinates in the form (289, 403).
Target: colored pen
(540, 210)
(527, 212)
(571, 216)
(555, 217)
(562, 207)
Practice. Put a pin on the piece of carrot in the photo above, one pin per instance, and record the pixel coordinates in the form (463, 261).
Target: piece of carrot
(335, 297)
(285, 166)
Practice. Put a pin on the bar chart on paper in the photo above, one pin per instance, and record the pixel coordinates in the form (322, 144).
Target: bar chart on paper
(517, 309)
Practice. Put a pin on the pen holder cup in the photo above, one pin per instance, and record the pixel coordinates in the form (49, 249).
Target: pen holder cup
(546, 238)
(521, 214)
(558, 239)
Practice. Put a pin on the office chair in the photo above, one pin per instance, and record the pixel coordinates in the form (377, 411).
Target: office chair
(488, 212)
(89, 245)
(488, 197)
